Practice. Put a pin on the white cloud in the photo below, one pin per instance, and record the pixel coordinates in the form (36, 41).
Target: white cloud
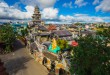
(80, 18)
(56, 22)
(29, 12)
(49, 13)
(106, 18)
(96, 2)
(45, 3)
(67, 18)
(80, 3)
(10, 12)
(104, 6)
(16, 5)
(68, 5)
(3, 5)
(40, 3)
(79, 15)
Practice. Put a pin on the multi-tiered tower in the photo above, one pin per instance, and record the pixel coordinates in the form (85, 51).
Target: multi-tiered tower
(36, 16)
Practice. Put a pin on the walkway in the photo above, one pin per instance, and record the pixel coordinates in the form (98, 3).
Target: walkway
(20, 63)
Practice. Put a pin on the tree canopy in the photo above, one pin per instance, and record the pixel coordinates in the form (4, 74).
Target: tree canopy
(62, 44)
(24, 32)
(92, 55)
(7, 36)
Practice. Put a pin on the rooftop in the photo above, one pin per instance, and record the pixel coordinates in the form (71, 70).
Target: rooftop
(62, 33)
(42, 28)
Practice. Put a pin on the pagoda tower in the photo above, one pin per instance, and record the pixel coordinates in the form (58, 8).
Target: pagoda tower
(36, 16)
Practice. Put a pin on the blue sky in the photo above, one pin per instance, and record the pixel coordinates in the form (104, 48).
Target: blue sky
(58, 11)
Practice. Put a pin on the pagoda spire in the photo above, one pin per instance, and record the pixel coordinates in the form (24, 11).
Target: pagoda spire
(36, 16)
(36, 7)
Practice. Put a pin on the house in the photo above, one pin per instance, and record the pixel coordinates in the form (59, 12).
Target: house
(74, 30)
(63, 27)
(62, 34)
(84, 33)
(51, 27)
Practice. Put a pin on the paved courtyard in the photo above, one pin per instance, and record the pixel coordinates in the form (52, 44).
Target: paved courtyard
(20, 62)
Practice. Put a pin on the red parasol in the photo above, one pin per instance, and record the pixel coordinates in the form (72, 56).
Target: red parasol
(74, 43)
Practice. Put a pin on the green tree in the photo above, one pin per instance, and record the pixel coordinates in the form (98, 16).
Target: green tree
(91, 57)
(62, 44)
(105, 32)
(77, 24)
(7, 36)
(24, 32)
(101, 26)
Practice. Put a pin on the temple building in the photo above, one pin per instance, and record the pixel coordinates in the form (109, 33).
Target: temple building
(36, 16)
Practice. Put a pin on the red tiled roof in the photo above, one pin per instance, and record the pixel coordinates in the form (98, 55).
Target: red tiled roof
(52, 27)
